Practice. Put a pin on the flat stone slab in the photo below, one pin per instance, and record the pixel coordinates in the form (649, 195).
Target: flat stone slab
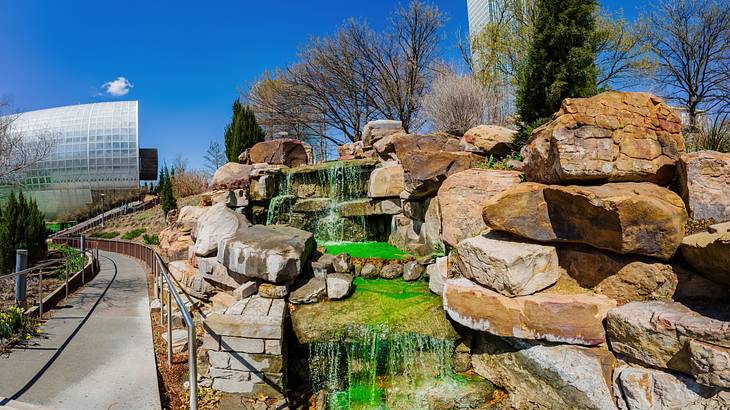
(575, 319)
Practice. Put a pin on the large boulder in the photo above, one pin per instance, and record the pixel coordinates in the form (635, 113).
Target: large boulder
(508, 267)
(285, 151)
(431, 229)
(703, 181)
(612, 137)
(274, 253)
(386, 182)
(638, 388)
(190, 280)
(621, 277)
(462, 197)
(175, 243)
(565, 318)
(614, 216)
(549, 377)
(709, 253)
(376, 130)
(710, 364)
(425, 172)
(231, 176)
(217, 223)
(659, 333)
(489, 139)
(188, 217)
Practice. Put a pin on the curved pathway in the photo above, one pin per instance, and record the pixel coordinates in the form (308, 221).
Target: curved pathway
(96, 351)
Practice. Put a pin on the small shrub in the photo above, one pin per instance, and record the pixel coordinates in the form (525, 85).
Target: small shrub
(105, 235)
(74, 260)
(133, 234)
(15, 326)
(493, 163)
(151, 239)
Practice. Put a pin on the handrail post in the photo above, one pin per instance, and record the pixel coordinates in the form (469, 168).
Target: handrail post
(169, 327)
(192, 367)
(21, 283)
(82, 249)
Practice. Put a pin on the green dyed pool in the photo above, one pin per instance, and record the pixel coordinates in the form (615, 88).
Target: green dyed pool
(379, 250)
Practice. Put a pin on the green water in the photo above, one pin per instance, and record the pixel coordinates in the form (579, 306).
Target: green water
(380, 250)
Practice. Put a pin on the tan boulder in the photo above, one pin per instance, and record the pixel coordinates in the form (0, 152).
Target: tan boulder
(175, 243)
(217, 223)
(285, 151)
(376, 130)
(546, 377)
(489, 139)
(431, 230)
(564, 318)
(509, 267)
(620, 277)
(425, 171)
(703, 181)
(614, 216)
(709, 253)
(462, 197)
(232, 175)
(611, 137)
(638, 388)
(658, 333)
(386, 182)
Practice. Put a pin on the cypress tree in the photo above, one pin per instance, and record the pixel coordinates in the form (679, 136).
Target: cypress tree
(22, 226)
(560, 61)
(165, 192)
(243, 132)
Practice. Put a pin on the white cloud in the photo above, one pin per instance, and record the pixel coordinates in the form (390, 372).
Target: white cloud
(118, 87)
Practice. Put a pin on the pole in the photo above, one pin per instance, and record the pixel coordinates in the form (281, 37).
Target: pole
(169, 327)
(102, 210)
(21, 283)
(192, 368)
(82, 249)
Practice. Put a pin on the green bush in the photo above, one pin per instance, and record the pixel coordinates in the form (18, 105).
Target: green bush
(494, 163)
(151, 239)
(105, 234)
(133, 234)
(15, 326)
(74, 260)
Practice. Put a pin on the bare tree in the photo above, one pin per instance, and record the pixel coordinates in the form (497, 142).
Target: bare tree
(691, 41)
(402, 60)
(456, 103)
(18, 152)
(623, 53)
(215, 156)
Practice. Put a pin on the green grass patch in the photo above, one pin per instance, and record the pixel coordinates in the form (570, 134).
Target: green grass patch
(133, 234)
(378, 250)
(105, 234)
(74, 260)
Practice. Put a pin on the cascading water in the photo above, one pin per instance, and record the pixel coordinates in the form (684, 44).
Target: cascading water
(342, 183)
(372, 365)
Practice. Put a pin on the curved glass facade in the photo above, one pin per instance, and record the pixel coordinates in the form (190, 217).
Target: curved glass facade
(95, 149)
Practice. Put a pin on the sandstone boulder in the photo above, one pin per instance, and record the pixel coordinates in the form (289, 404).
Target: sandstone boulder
(614, 216)
(217, 223)
(386, 182)
(217, 274)
(424, 172)
(315, 290)
(489, 139)
(431, 230)
(412, 271)
(612, 137)
(188, 217)
(658, 333)
(191, 282)
(376, 130)
(462, 197)
(565, 318)
(620, 277)
(703, 181)
(232, 175)
(710, 364)
(342, 263)
(391, 271)
(437, 273)
(274, 253)
(709, 253)
(339, 285)
(508, 267)
(638, 388)
(175, 243)
(546, 377)
(354, 150)
(284, 151)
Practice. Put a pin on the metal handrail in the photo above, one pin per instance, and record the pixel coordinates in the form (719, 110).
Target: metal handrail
(31, 269)
(154, 261)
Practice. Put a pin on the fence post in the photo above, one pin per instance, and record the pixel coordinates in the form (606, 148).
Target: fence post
(82, 248)
(21, 283)
(169, 327)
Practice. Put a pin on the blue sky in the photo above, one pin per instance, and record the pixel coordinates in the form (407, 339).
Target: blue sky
(186, 61)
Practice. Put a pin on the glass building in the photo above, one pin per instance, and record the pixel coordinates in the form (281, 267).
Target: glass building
(94, 150)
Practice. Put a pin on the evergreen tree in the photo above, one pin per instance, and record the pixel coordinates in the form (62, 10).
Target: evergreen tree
(560, 61)
(22, 226)
(164, 191)
(243, 132)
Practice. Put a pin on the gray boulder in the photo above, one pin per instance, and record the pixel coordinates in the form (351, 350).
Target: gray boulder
(274, 253)
(315, 290)
(339, 285)
(217, 223)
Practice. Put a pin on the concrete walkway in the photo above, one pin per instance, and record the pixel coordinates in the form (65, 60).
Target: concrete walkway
(96, 351)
